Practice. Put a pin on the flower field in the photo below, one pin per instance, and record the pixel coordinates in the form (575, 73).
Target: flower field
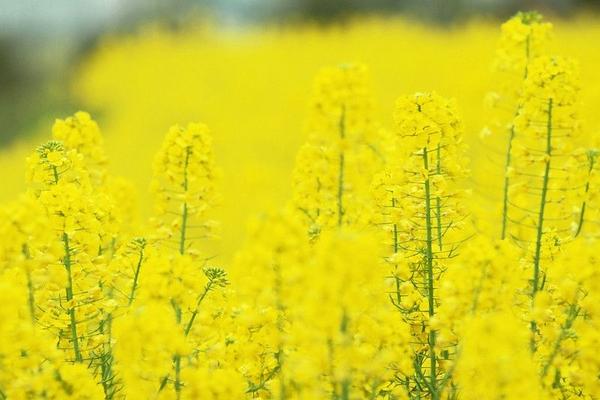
(378, 210)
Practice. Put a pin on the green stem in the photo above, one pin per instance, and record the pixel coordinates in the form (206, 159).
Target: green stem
(55, 174)
(396, 248)
(182, 239)
(30, 288)
(430, 288)
(509, 150)
(591, 158)
(540, 225)
(184, 214)
(177, 362)
(572, 314)
(507, 182)
(340, 194)
(69, 293)
(345, 390)
(346, 382)
(178, 376)
(280, 329)
(136, 276)
(188, 326)
(106, 360)
(31, 296)
(438, 201)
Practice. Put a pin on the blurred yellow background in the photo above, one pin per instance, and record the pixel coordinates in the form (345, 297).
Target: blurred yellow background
(252, 86)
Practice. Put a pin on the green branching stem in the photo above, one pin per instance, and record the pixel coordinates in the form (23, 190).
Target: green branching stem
(540, 224)
(591, 161)
(190, 323)
(430, 279)
(69, 293)
(340, 194)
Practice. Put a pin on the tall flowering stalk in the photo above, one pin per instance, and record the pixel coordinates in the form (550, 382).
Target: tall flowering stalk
(334, 167)
(184, 179)
(524, 37)
(420, 200)
(545, 179)
(62, 186)
(184, 182)
(82, 134)
(268, 268)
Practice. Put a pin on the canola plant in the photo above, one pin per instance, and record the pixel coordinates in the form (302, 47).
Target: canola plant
(402, 265)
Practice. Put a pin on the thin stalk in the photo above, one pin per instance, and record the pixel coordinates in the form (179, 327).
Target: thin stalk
(507, 182)
(430, 288)
(177, 362)
(345, 390)
(509, 149)
(31, 297)
(108, 377)
(184, 214)
(188, 326)
(178, 377)
(438, 205)
(396, 248)
(340, 194)
(592, 159)
(572, 314)
(540, 225)
(182, 238)
(136, 276)
(69, 293)
(280, 327)
(55, 174)
(346, 382)
(30, 289)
